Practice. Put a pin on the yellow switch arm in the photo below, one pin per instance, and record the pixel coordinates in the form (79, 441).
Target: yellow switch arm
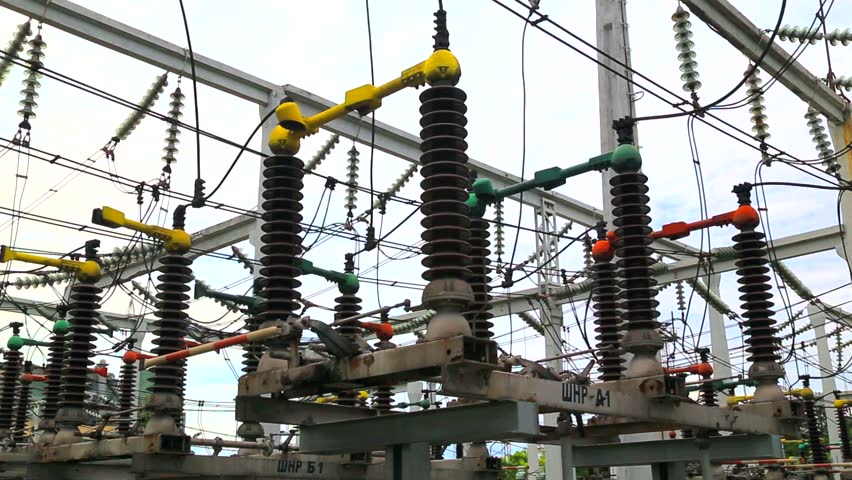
(796, 392)
(174, 240)
(86, 270)
(285, 139)
(735, 399)
(842, 403)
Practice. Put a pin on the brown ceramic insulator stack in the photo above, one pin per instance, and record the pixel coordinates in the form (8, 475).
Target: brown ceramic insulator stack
(80, 347)
(479, 313)
(282, 243)
(845, 444)
(610, 356)
(22, 410)
(170, 328)
(446, 217)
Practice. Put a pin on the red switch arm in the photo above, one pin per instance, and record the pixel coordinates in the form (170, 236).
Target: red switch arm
(698, 369)
(383, 331)
(744, 215)
(31, 377)
(132, 357)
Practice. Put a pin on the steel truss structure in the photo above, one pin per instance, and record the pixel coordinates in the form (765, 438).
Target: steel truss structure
(501, 405)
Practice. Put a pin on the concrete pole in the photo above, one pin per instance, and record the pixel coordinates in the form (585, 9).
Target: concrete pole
(615, 102)
(614, 92)
(817, 317)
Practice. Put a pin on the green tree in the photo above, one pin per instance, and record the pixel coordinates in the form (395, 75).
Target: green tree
(519, 459)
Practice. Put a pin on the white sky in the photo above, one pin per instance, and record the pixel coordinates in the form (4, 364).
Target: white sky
(321, 46)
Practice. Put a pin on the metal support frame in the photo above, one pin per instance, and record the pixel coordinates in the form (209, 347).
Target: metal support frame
(818, 318)
(718, 339)
(382, 367)
(730, 447)
(507, 420)
(296, 465)
(134, 43)
(291, 412)
(547, 262)
(114, 448)
(283, 466)
(618, 399)
(734, 27)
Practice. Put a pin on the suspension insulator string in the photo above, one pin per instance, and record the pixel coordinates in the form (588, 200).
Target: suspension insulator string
(683, 36)
(172, 133)
(352, 162)
(821, 141)
(14, 49)
(31, 84)
(757, 109)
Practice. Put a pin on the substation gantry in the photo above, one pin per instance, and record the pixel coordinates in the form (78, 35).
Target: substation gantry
(342, 438)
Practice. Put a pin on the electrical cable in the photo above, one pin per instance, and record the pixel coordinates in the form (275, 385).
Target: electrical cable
(523, 131)
(194, 92)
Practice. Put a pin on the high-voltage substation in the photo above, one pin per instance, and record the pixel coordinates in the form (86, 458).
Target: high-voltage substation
(336, 378)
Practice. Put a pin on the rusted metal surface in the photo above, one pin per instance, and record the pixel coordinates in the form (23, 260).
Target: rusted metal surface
(381, 367)
(609, 398)
(291, 412)
(114, 448)
(471, 423)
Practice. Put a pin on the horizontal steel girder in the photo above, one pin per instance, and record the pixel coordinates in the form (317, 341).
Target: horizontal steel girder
(280, 466)
(604, 399)
(114, 448)
(291, 412)
(472, 423)
(682, 450)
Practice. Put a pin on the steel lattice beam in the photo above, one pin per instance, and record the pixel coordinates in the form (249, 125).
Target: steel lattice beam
(734, 27)
(137, 44)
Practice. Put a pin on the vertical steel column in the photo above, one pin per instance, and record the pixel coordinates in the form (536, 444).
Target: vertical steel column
(828, 384)
(566, 459)
(841, 135)
(408, 462)
(547, 261)
(718, 339)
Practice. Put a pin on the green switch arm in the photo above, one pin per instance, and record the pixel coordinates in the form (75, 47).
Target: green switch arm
(16, 342)
(724, 384)
(347, 283)
(484, 193)
(202, 290)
